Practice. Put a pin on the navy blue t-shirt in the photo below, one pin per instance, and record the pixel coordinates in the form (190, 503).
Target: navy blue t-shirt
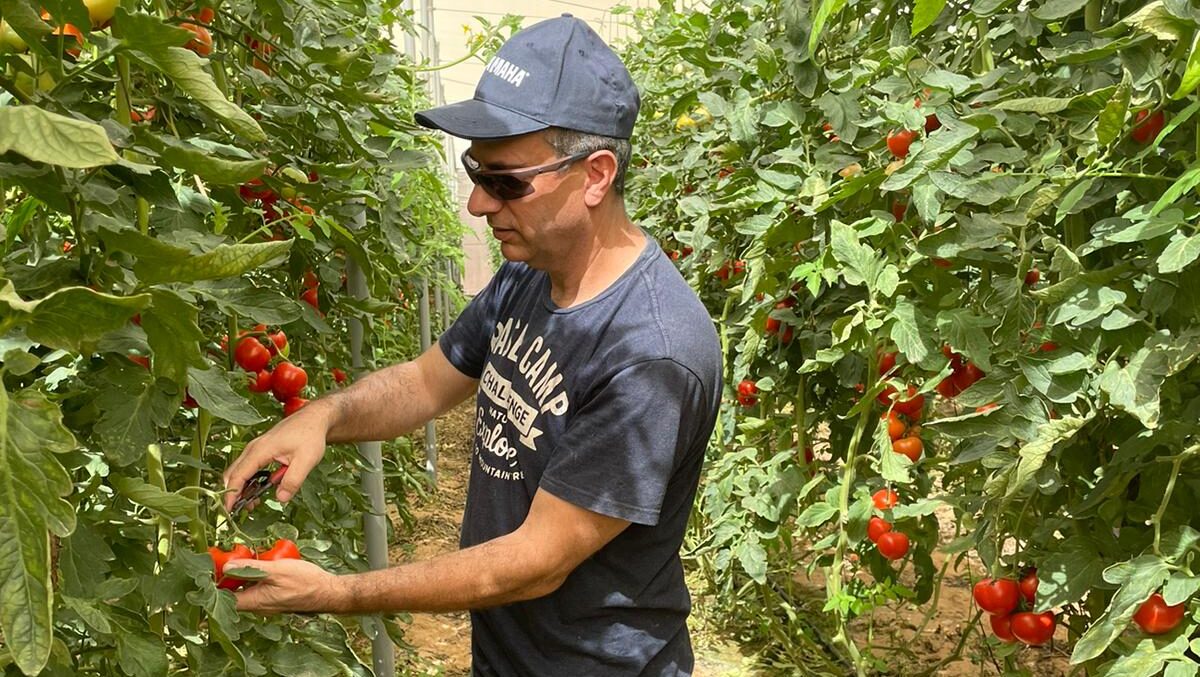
(607, 405)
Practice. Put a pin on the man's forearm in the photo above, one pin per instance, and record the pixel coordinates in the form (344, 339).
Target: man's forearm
(491, 574)
(383, 405)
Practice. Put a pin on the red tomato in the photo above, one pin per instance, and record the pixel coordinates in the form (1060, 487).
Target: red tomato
(892, 545)
(1048, 347)
(206, 15)
(339, 376)
(912, 405)
(942, 263)
(747, 400)
(1147, 131)
(278, 342)
(283, 549)
(967, 376)
(932, 123)
(997, 596)
(189, 402)
(956, 359)
(947, 388)
(896, 426)
(251, 355)
(1154, 617)
(136, 319)
(885, 498)
(310, 279)
(1033, 277)
(739, 267)
(144, 362)
(293, 405)
(886, 362)
(288, 381)
(202, 44)
(1002, 628)
(309, 296)
(686, 252)
(261, 382)
(899, 141)
(747, 387)
(1032, 629)
(254, 189)
(67, 246)
(885, 397)
(899, 207)
(786, 336)
(910, 447)
(1029, 586)
(220, 557)
(876, 527)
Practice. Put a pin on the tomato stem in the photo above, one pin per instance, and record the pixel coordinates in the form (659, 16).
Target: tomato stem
(195, 524)
(1162, 507)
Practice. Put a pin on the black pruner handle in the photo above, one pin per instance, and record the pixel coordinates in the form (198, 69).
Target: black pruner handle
(257, 486)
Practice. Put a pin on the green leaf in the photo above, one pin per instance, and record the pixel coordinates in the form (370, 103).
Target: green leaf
(1191, 76)
(1179, 254)
(167, 504)
(1112, 119)
(1185, 183)
(1135, 387)
(174, 336)
(70, 316)
(826, 9)
(1069, 572)
(1155, 19)
(141, 654)
(913, 332)
(54, 139)
(925, 12)
(194, 160)
(211, 389)
(1043, 105)
(1139, 578)
(268, 306)
(753, 558)
(862, 263)
(224, 261)
(186, 71)
(815, 515)
(1054, 10)
(937, 151)
(1033, 454)
(130, 411)
(32, 488)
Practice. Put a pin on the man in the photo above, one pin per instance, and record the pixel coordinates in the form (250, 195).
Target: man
(598, 377)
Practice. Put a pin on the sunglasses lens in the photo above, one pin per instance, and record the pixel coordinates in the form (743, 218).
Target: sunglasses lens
(505, 187)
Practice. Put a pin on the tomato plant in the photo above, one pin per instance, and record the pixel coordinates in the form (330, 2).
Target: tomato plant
(1059, 427)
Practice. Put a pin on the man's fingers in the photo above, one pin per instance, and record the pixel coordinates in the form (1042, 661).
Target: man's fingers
(296, 473)
(248, 463)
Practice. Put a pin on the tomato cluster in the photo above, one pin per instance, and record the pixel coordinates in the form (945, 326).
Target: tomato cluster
(1010, 604)
(286, 382)
(283, 549)
(892, 544)
(963, 374)
(747, 393)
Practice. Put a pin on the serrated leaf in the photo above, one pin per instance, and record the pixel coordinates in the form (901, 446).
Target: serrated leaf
(268, 306)
(224, 261)
(32, 488)
(141, 655)
(130, 411)
(1139, 578)
(1135, 386)
(925, 12)
(186, 71)
(815, 515)
(912, 331)
(1034, 453)
(54, 139)
(69, 316)
(211, 390)
(165, 503)
(1068, 572)
(1112, 118)
(753, 559)
(936, 152)
(194, 160)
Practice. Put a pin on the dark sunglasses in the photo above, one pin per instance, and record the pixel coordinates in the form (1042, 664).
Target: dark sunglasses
(510, 184)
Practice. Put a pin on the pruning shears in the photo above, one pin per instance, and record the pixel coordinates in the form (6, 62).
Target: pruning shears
(258, 485)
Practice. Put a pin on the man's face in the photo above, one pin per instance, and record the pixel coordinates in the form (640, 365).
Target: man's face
(540, 226)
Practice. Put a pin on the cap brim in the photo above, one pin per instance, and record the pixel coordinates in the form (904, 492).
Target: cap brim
(474, 119)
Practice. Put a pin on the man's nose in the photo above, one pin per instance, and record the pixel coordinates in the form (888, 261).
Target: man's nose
(482, 204)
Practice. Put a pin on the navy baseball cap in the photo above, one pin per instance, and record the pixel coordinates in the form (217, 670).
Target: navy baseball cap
(556, 73)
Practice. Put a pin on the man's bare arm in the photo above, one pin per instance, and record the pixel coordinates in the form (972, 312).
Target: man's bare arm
(396, 400)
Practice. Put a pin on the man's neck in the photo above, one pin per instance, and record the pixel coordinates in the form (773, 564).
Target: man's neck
(597, 263)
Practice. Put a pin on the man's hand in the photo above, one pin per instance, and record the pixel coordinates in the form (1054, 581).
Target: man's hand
(297, 441)
(291, 586)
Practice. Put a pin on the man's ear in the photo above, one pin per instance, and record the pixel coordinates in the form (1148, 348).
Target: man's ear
(601, 168)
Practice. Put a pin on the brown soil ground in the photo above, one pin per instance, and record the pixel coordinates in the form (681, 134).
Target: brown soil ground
(912, 644)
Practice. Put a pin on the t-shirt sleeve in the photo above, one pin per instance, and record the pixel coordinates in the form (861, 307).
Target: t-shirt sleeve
(466, 343)
(622, 447)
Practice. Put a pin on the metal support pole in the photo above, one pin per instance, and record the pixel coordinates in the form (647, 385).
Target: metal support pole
(383, 652)
(410, 40)
(426, 340)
